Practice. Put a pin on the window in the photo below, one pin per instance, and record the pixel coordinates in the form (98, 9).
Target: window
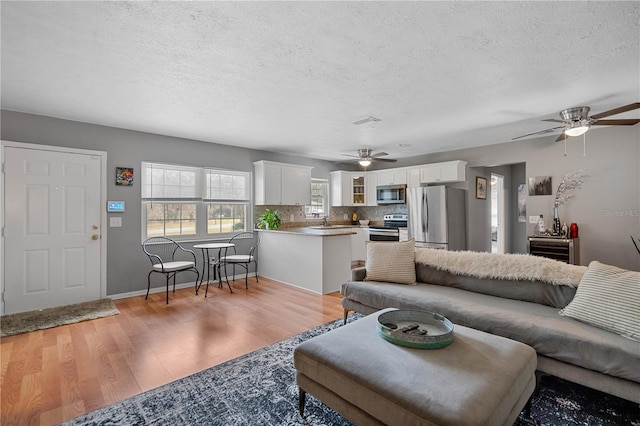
(184, 202)
(319, 199)
(171, 219)
(228, 196)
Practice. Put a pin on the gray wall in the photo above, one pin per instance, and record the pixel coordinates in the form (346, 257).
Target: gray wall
(517, 230)
(127, 267)
(606, 208)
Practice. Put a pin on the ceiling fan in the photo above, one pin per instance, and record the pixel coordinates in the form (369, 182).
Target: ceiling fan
(365, 157)
(576, 121)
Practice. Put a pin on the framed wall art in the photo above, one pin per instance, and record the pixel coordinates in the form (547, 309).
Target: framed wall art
(124, 176)
(540, 185)
(522, 203)
(481, 188)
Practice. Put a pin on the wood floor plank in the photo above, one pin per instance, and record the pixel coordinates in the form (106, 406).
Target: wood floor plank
(31, 393)
(53, 375)
(51, 389)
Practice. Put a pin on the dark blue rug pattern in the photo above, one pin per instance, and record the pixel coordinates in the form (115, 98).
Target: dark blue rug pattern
(259, 389)
(560, 402)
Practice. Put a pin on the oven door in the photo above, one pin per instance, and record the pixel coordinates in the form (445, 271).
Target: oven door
(384, 234)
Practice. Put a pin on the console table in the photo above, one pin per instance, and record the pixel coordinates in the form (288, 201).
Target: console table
(562, 249)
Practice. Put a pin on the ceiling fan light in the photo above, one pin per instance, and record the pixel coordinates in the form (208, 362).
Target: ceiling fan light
(578, 130)
(364, 163)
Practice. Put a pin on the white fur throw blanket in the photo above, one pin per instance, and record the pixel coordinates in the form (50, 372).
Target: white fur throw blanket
(502, 266)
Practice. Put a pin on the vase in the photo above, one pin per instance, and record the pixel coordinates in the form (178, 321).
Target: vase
(557, 226)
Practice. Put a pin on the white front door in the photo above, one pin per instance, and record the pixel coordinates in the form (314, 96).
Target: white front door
(52, 247)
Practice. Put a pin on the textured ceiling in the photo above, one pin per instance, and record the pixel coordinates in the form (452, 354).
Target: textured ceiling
(292, 77)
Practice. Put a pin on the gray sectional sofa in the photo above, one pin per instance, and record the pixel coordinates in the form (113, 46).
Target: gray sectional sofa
(516, 305)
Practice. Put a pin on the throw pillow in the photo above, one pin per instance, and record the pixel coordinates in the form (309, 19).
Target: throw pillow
(608, 297)
(391, 262)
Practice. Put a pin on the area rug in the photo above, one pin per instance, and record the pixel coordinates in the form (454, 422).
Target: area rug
(259, 388)
(53, 317)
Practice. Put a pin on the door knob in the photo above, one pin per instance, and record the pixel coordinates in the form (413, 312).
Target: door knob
(94, 237)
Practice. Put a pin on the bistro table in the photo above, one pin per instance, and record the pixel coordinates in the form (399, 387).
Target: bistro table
(209, 263)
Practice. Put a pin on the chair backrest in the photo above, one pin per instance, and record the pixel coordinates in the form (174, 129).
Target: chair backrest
(245, 243)
(160, 249)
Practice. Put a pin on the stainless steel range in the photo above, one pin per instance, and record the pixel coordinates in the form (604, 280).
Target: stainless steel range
(390, 231)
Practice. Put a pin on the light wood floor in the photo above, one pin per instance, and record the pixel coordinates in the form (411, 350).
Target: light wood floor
(53, 375)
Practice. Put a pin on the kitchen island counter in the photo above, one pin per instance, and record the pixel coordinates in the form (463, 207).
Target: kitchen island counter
(318, 260)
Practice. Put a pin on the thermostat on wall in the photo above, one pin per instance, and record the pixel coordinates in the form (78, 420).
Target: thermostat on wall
(115, 206)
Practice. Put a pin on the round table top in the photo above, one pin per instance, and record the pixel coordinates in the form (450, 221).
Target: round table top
(213, 245)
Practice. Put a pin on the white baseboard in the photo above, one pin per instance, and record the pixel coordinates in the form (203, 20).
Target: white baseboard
(164, 288)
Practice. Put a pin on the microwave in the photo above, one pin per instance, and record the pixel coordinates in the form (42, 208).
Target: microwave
(391, 194)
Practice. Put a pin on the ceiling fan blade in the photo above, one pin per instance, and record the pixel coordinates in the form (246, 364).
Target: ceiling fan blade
(386, 160)
(554, 120)
(379, 154)
(349, 155)
(615, 111)
(561, 137)
(539, 133)
(619, 122)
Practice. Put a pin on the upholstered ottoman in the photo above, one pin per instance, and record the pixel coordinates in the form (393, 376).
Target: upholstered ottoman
(479, 379)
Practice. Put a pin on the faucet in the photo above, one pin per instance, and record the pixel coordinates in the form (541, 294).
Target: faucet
(324, 221)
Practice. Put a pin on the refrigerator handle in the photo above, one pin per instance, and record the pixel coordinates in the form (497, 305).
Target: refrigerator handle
(425, 215)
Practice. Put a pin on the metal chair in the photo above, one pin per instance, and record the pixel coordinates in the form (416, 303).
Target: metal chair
(162, 254)
(243, 253)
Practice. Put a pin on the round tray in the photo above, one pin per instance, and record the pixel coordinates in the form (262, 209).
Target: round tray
(415, 329)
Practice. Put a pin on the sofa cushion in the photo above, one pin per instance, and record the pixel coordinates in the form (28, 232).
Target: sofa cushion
(527, 290)
(391, 262)
(538, 326)
(608, 297)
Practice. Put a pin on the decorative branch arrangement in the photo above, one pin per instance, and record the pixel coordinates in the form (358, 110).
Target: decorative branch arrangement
(569, 182)
(637, 244)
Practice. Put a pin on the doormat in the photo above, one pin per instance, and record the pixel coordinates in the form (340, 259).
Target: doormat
(25, 322)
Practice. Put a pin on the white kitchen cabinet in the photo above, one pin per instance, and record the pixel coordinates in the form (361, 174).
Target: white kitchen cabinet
(296, 185)
(268, 183)
(392, 177)
(448, 171)
(347, 188)
(370, 183)
(282, 184)
(340, 188)
(413, 177)
(359, 244)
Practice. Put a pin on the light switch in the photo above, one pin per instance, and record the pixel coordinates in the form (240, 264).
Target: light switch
(533, 219)
(115, 221)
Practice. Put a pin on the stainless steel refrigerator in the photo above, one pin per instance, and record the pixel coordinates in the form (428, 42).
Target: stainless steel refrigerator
(437, 217)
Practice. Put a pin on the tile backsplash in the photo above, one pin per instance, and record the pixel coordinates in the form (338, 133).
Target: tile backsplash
(336, 214)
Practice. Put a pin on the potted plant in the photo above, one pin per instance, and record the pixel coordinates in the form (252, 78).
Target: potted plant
(269, 220)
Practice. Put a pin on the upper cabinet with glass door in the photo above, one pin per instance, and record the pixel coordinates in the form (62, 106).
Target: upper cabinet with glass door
(347, 188)
(358, 189)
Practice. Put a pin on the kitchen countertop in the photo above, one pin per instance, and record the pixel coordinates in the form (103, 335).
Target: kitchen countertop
(316, 231)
